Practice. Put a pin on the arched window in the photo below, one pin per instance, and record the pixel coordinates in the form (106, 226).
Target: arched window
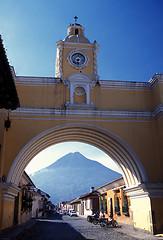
(76, 31)
(79, 95)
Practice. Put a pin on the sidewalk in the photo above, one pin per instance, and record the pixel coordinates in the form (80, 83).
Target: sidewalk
(17, 231)
(139, 234)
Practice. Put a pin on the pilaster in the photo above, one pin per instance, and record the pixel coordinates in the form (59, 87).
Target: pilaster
(7, 201)
(146, 205)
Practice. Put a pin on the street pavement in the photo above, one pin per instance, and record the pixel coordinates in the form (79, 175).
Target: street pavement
(58, 227)
(91, 231)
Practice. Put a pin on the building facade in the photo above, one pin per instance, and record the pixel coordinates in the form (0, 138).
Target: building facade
(123, 119)
(110, 200)
(31, 202)
(114, 202)
(87, 204)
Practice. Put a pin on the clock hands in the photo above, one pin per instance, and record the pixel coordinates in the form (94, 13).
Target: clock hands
(78, 59)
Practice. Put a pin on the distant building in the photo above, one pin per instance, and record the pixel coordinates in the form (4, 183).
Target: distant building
(110, 199)
(24, 200)
(89, 203)
(114, 202)
(77, 206)
(30, 202)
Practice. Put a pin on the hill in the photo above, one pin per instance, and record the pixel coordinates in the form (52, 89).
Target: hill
(71, 176)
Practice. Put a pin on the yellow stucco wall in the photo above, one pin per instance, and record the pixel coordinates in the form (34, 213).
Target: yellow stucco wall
(67, 69)
(117, 99)
(141, 207)
(157, 94)
(157, 211)
(24, 128)
(8, 214)
(43, 96)
(119, 218)
(112, 99)
(143, 135)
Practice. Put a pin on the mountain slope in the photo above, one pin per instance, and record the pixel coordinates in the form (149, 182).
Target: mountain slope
(71, 176)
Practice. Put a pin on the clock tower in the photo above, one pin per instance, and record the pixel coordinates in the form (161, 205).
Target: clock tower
(76, 65)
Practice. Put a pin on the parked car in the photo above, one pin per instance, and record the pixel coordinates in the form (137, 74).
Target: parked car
(64, 212)
(73, 213)
(68, 212)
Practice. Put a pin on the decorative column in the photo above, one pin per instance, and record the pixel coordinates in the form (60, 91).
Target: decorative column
(59, 58)
(71, 93)
(88, 98)
(95, 50)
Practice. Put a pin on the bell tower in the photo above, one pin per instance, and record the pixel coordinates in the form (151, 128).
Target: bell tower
(76, 64)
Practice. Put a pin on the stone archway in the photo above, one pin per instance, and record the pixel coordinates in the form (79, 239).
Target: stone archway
(111, 144)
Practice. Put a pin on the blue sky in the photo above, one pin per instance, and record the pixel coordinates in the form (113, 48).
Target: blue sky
(53, 153)
(129, 33)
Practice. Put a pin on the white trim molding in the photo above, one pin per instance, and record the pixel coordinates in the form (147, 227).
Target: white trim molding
(105, 84)
(152, 190)
(36, 81)
(9, 191)
(80, 80)
(86, 110)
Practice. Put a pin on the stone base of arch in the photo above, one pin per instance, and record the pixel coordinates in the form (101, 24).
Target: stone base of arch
(8, 193)
(146, 204)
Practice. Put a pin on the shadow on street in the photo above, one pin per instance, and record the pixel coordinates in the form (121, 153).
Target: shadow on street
(53, 228)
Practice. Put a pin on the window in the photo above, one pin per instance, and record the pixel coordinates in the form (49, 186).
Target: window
(111, 207)
(79, 90)
(27, 199)
(125, 207)
(103, 204)
(88, 204)
(117, 207)
(76, 31)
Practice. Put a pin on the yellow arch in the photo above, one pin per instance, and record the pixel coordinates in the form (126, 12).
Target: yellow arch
(111, 144)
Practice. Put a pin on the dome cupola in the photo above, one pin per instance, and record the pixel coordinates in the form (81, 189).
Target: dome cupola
(75, 33)
(75, 29)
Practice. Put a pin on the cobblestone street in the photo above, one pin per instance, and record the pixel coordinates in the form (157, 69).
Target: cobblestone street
(58, 227)
(91, 231)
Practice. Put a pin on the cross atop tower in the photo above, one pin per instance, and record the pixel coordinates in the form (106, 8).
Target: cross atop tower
(76, 18)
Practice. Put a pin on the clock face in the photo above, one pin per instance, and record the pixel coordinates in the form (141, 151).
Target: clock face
(78, 59)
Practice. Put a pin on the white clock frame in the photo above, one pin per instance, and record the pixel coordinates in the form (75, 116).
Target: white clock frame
(78, 50)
